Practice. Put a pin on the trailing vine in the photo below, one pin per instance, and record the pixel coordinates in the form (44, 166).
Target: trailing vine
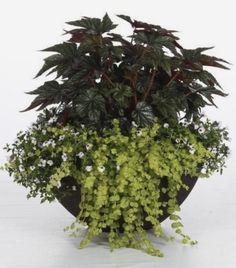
(119, 175)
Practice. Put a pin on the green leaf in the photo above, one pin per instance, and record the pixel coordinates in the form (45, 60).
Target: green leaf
(49, 93)
(90, 104)
(50, 62)
(69, 50)
(143, 114)
(121, 93)
(126, 18)
(107, 24)
(94, 25)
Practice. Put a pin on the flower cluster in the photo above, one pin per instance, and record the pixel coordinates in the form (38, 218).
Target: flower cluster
(107, 172)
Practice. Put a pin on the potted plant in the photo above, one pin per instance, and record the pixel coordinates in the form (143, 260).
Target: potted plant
(121, 139)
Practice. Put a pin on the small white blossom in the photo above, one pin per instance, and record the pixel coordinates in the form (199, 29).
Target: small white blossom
(117, 167)
(88, 146)
(21, 168)
(201, 130)
(101, 168)
(32, 168)
(192, 150)
(50, 162)
(59, 184)
(52, 120)
(49, 142)
(185, 140)
(88, 168)
(139, 133)
(44, 131)
(80, 154)
(134, 124)
(185, 123)
(98, 80)
(34, 141)
(166, 125)
(42, 163)
(214, 150)
(21, 152)
(177, 140)
(87, 54)
(76, 133)
(62, 137)
(82, 126)
(64, 157)
(74, 188)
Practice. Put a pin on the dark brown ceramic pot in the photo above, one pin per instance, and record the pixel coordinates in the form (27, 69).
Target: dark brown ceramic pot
(71, 201)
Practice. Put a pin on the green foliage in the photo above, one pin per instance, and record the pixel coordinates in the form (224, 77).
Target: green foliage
(118, 175)
(135, 78)
(125, 117)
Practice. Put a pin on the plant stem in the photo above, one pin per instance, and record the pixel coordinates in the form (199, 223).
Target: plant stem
(149, 85)
(108, 79)
(109, 98)
(173, 78)
(135, 94)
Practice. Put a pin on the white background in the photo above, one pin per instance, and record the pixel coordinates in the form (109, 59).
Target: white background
(31, 235)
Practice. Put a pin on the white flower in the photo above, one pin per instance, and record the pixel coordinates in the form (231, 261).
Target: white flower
(88, 168)
(21, 152)
(80, 154)
(98, 80)
(87, 54)
(214, 150)
(34, 141)
(76, 133)
(204, 170)
(59, 184)
(49, 142)
(52, 120)
(53, 143)
(177, 140)
(185, 140)
(196, 126)
(82, 126)
(118, 167)
(45, 144)
(88, 146)
(64, 157)
(139, 133)
(192, 150)
(44, 131)
(50, 162)
(166, 125)
(101, 168)
(74, 188)
(62, 137)
(201, 130)
(185, 123)
(32, 168)
(42, 163)
(134, 124)
(21, 168)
